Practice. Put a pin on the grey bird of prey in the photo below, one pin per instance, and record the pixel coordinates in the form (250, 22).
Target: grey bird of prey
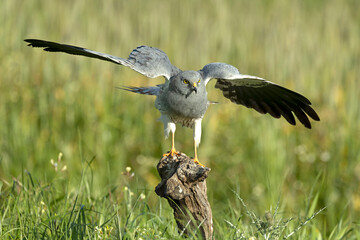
(183, 98)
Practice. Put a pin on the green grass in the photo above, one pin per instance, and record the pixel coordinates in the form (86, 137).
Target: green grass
(33, 210)
(52, 103)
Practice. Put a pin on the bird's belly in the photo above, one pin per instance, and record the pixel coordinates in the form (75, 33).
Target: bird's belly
(185, 110)
(185, 122)
(186, 114)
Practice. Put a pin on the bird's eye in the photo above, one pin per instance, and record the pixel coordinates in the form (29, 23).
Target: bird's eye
(185, 81)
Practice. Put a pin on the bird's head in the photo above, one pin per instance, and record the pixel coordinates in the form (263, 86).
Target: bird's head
(187, 82)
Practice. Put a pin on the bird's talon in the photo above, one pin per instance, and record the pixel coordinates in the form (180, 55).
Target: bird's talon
(198, 163)
(171, 153)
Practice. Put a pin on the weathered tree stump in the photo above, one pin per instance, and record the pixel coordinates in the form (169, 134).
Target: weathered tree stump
(183, 184)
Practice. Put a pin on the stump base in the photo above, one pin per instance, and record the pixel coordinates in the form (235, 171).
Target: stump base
(183, 184)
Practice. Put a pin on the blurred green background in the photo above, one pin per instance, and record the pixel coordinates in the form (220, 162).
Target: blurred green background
(52, 102)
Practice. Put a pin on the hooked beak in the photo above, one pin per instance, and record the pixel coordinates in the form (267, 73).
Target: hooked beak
(194, 87)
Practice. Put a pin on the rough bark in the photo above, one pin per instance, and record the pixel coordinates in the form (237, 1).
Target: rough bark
(183, 184)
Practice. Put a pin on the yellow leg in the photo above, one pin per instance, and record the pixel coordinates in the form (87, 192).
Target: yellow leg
(196, 160)
(173, 150)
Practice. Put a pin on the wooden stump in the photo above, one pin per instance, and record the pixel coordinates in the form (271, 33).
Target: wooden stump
(183, 184)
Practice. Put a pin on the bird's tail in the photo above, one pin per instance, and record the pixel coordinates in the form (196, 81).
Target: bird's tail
(213, 102)
(142, 90)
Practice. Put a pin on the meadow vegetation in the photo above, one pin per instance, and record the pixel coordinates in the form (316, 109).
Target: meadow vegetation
(78, 156)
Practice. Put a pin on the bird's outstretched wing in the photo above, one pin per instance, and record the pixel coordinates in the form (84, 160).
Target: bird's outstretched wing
(149, 61)
(259, 94)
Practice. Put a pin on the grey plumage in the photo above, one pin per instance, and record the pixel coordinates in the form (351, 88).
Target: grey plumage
(183, 97)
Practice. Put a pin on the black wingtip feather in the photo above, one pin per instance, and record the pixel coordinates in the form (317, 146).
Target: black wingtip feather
(286, 112)
(311, 112)
(302, 117)
(35, 43)
(50, 49)
(271, 109)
